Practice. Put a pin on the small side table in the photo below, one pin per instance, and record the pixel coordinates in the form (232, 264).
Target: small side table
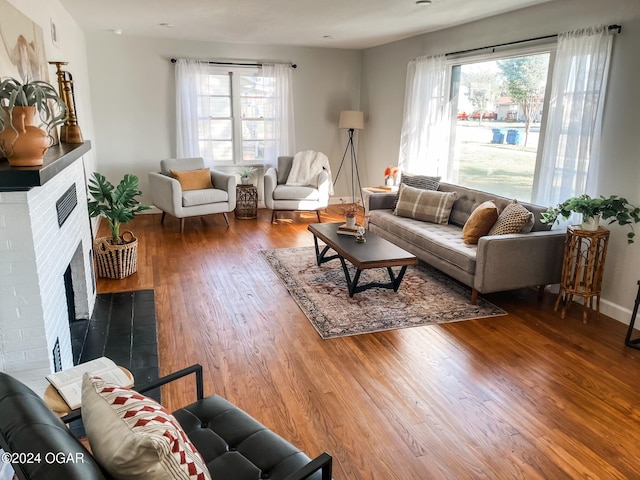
(584, 255)
(57, 404)
(246, 202)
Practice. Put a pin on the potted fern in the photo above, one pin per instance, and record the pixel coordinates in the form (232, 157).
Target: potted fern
(29, 113)
(613, 208)
(246, 173)
(116, 256)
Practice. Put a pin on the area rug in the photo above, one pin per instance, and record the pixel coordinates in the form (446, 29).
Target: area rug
(425, 297)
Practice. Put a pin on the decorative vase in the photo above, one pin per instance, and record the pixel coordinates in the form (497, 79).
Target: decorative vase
(389, 182)
(22, 142)
(351, 222)
(591, 224)
(244, 180)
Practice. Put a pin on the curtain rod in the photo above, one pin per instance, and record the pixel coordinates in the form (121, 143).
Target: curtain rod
(237, 64)
(610, 27)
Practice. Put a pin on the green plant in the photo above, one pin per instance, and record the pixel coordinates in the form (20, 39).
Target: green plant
(117, 204)
(247, 172)
(51, 109)
(614, 208)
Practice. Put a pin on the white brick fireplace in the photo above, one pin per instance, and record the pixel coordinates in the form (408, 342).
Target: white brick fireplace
(44, 230)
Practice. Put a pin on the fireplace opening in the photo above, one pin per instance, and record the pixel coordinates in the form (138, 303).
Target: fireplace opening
(68, 290)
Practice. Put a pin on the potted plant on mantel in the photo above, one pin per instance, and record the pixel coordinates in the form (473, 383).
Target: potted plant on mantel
(614, 208)
(116, 256)
(29, 113)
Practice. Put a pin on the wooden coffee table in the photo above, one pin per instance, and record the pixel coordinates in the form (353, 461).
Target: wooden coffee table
(376, 252)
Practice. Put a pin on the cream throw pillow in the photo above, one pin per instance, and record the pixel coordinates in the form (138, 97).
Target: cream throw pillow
(511, 219)
(426, 205)
(134, 437)
(193, 179)
(480, 222)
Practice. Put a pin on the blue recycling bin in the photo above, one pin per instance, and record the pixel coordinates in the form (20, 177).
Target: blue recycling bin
(513, 137)
(498, 135)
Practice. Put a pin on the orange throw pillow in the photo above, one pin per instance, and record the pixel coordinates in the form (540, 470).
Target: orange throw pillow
(193, 179)
(480, 222)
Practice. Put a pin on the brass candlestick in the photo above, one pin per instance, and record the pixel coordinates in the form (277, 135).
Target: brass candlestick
(70, 131)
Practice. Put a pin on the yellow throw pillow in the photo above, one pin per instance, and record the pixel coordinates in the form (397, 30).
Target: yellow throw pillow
(193, 179)
(480, 222)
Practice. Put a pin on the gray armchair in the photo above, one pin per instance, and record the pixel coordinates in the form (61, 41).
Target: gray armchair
(281, 197)
(168, 196)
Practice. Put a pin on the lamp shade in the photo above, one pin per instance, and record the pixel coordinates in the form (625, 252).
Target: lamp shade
(350, 119)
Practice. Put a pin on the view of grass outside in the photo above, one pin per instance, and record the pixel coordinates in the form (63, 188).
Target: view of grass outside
(500, 168)
(499, 109)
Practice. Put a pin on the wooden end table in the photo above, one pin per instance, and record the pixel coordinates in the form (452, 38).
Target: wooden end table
(376, 252)
(582, 268)
(246, 202)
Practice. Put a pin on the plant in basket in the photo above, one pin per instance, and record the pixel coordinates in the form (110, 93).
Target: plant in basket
(116, 256)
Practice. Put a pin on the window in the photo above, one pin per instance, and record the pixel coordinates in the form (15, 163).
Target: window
(496, 131)
(223, 135)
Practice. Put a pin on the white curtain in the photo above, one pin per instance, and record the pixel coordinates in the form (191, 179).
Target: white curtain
(571, 154)
(279, 121)
(424, 142)
(188, 74)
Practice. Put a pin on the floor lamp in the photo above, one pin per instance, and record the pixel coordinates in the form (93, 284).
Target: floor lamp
(351, 120)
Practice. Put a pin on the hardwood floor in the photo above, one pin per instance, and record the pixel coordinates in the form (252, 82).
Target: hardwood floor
(527, 395)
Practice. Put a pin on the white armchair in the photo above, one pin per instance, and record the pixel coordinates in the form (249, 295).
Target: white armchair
(168, 196)
(281, 197)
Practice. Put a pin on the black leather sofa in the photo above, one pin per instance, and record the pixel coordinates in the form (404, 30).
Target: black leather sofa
(233, 444)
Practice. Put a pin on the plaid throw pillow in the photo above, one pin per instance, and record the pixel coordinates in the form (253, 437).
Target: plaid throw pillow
(422, 182)
(425, 205)
(133, 436)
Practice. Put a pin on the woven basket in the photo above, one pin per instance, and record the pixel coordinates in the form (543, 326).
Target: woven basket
(116, 261)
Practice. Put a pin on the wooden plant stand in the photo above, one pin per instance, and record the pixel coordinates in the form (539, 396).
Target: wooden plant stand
(584, 255)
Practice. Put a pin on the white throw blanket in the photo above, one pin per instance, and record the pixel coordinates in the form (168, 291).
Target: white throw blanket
(307, 166)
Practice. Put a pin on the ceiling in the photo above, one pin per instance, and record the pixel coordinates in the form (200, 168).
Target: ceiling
(353, 24)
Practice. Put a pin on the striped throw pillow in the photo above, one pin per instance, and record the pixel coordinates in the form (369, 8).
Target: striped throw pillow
(426, 205)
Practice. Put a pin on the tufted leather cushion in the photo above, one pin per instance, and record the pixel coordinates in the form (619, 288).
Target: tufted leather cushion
(236, 446)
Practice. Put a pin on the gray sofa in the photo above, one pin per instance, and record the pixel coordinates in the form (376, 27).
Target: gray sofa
(496, 263)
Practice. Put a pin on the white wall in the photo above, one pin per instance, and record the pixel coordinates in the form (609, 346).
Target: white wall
(71, 48)
(133, 99)
(383, 86)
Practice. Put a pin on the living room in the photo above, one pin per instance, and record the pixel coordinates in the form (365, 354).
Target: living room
(124, 89)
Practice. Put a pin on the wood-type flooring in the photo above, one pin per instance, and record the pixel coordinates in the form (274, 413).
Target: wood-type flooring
(523, 396)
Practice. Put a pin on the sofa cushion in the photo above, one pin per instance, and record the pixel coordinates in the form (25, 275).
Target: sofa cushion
(134, 437)
(480, 222)
(295, 192)
(443, 241)
(512, 219)
(193, 179)
(417, 181)
(191, 198)
(426, 205)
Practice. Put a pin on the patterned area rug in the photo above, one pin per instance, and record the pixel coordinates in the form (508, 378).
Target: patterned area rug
(425, 297)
